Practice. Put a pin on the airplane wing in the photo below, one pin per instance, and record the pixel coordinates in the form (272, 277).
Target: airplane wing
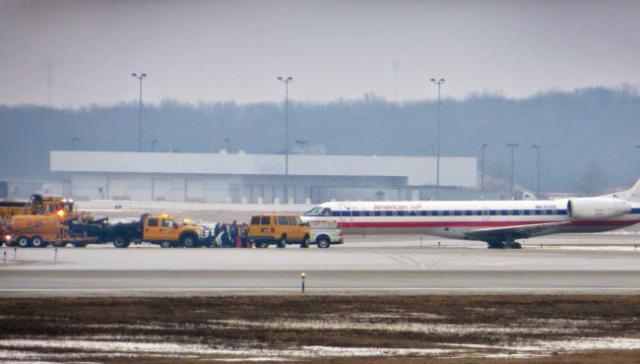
(515, 232)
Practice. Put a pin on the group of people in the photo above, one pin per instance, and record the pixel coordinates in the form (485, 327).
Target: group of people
(233, 235)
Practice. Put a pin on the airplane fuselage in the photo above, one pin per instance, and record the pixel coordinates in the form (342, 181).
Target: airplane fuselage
(459, 219)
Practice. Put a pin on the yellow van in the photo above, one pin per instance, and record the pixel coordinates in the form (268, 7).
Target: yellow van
(278, 229)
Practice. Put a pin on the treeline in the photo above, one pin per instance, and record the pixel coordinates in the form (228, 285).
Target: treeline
(587, 137)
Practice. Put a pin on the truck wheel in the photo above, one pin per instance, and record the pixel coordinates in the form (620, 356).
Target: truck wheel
(189, 241)
(166, 244)
(282, 243)
(38, 242)
(120, 242)
(262, 244)
(24, 242)
(323, 242)
(305, 243)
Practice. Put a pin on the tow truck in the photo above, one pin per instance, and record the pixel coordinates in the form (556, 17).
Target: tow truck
(164, 230)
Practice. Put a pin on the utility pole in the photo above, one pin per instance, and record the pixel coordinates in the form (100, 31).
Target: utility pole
(512, 146)
(482, 159)
(439, 83)
(286, 81)
(139, 77)
(537, 148)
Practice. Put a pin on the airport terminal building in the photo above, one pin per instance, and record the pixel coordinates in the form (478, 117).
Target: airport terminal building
(256, 178)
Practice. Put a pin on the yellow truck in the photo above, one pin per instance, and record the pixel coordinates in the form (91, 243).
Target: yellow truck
(163, 230)
(37, 205)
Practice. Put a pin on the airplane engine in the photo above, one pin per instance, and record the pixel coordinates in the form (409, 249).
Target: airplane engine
(597, 208)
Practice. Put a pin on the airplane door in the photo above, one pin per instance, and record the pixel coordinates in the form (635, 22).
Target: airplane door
(346, 217)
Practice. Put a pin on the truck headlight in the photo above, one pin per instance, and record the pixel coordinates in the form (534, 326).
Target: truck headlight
(7, 238)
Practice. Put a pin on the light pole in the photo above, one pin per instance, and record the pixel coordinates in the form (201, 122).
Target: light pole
(74, 143)
(286, 81)
(513, 147)
(537, 148)
(139, 77)
(482, 149)
(153, 144)
(439, 83)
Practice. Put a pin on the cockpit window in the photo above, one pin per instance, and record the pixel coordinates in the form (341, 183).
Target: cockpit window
(318, 211)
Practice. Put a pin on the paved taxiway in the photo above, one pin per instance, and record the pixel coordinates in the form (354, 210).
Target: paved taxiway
(569, 264)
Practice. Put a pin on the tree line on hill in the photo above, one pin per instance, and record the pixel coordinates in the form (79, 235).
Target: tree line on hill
(587, 137)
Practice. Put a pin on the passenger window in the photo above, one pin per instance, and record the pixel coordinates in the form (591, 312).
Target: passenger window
(283, 220)
(292, 220)
(168, 223)
(265, 220)
(153, 222)
(255, 220)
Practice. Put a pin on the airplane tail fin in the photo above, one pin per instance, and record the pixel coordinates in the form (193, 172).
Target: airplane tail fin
(632, 194)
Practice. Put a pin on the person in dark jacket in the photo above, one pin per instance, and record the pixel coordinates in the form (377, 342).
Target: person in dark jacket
(244, 235)
(223, 236)
(233, 233)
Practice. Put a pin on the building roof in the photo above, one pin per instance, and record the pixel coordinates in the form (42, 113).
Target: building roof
(419, 171)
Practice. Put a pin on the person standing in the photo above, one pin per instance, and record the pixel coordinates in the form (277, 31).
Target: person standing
(233, 234)
(244, 235)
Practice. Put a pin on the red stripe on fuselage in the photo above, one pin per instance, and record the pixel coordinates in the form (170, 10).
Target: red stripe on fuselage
(479, 224)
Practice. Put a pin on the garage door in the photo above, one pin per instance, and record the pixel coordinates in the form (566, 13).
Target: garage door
(118, 189)
(162, 190)
(195, 190)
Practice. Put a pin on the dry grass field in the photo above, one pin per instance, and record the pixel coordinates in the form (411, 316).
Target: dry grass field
(336, 329)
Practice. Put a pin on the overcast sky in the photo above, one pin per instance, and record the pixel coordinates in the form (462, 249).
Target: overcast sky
(81, 52)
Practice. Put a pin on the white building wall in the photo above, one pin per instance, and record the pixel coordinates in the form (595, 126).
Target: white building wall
(419, 171)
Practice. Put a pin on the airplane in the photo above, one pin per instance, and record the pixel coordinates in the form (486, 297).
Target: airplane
(498, 223)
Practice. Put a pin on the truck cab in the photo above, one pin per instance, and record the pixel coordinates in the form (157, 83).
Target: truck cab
(168, 232)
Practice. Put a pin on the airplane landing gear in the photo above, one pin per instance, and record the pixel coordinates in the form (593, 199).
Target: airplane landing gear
(507, 244)
(495, 245)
